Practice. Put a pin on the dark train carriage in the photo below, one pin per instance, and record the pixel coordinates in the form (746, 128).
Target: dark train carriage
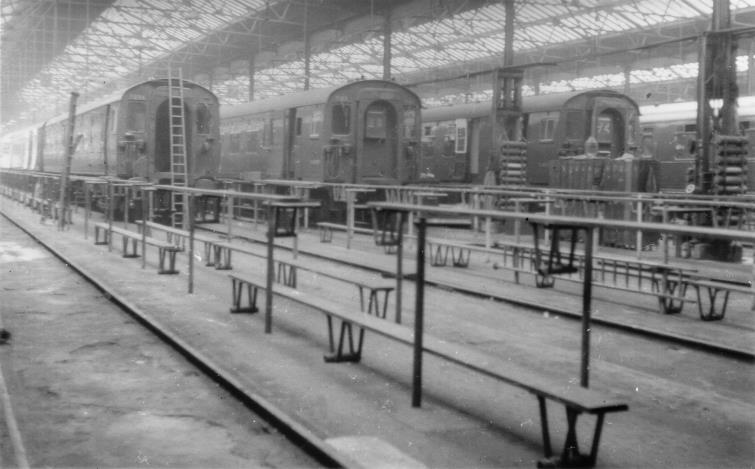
(92, 132)
(670, 130)
(362, 132)
(554, 126)
(18, 149)
(142, 132)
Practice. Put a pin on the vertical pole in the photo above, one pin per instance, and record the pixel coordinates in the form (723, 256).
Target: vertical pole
(307, 46)
(586, 306)
(229, 221)
(69, 156)
(387, 38)
(399, 265)
(145, 209)
(87, 209)
(126, 203)
(350, 196)
(111, 215)
(189, 198)
(638, 240)
(271, 222)
(419, 313)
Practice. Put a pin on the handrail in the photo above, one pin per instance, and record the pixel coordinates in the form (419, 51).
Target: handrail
(705, 232)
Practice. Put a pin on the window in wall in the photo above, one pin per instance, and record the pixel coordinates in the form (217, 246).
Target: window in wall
(574, 125)
(341, 119)
(234, 144)
(203, 119)
(374, 125)
(410, 121)
(314, 130)
(461, 136)
(136, 115)
(298, 126)
(547, 128)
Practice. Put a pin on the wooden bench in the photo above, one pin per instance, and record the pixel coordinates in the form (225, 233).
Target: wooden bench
(326, 230)
(212, 252)
(375, 291)
(710, 308)
(575, 399)
(166, 251)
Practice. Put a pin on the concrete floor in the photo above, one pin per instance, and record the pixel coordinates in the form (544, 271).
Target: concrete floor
(92, 388)
(687, 408)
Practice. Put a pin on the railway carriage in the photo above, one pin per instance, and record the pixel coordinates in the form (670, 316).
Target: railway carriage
(672, 129)
(457, 143)
(363, 132)
(127, 136)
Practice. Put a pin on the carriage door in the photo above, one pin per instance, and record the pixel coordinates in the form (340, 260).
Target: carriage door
(609, 132)
(162, 141)
(379, 153)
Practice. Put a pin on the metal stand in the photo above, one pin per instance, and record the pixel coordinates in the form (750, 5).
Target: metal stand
(388, 231)
(556, 265)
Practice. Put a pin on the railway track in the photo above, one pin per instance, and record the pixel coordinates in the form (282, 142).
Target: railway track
(630, 325)
(260, 408)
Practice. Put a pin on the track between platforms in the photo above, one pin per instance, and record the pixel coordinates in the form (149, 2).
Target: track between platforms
(296, 433)
(632, 319)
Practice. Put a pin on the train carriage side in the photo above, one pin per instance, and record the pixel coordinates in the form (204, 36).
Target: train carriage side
(457, 142)
(92, 129)
(371, 134)
(362, 132)
(143, 132)
(273, 138)
(669, 131)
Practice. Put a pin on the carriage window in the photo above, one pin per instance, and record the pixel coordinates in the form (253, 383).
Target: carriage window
(298, 126)
(316, 124)
(461, 136)
(690, 128)
(604, 128)
(234, 145)
(574, 125)
(203, 119)
(410, 120)
(374, 125)
(341, 119)
(136, 114)
(547, 127)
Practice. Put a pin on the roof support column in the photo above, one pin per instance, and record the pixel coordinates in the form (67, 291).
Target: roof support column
(717, 80)
(251, 72)
(307, 46)
(387, 52)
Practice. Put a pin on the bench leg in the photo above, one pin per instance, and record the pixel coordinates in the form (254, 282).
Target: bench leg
(168, 255)
(338, 355)
(134, 252)
(438, 255)
(222, 258)
(570, 456)
(668, 305)
(712, 313)
(97, 236)
(326, 235)
(237, 296)
(208, 255)
(462, 259)
(373, 306)
(390, 249)
(286, 274)
(544, 280)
